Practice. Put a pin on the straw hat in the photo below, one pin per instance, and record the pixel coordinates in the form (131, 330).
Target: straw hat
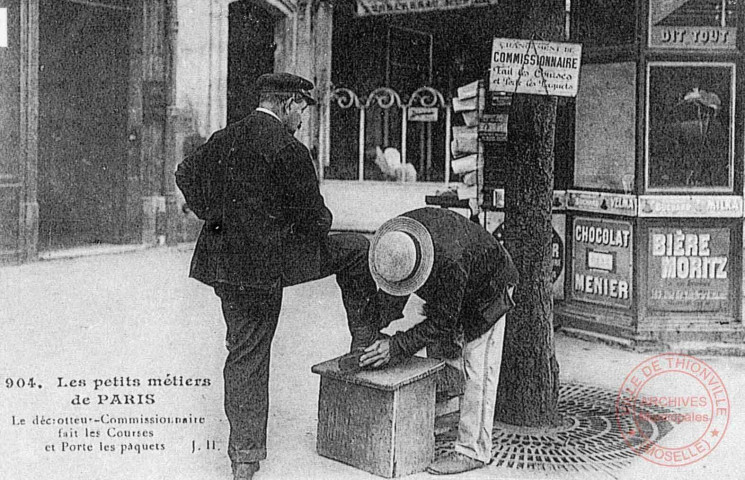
(401, 256)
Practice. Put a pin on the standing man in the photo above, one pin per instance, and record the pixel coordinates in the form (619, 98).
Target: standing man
(266, 227)
(465, 277)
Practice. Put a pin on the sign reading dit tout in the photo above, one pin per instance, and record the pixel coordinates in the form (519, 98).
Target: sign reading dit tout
(535, 67)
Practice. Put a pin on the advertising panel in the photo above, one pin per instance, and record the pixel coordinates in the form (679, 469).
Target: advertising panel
(602, 262)
(492, 127)
(557, 253)
(690, 126)
(385, 7)
(688, 269)
(690, 24)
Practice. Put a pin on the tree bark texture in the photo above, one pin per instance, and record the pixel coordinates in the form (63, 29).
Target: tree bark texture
(529, 382)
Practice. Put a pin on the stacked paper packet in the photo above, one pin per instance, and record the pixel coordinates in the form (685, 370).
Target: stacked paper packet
(465, 143)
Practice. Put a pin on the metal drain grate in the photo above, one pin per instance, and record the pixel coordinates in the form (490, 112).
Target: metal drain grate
(588, 441)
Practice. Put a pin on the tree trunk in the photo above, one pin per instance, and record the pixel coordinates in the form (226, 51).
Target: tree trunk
(529, 382)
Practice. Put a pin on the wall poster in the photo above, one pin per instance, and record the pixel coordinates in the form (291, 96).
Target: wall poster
(689, 269)
(605, 145)
(690, 126)
(693, 24)
(602, 261)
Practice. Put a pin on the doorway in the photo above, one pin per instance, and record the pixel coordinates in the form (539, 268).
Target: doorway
(82, 143)
(250, 54)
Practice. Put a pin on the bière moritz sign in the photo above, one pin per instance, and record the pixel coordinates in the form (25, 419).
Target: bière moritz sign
(689, 269)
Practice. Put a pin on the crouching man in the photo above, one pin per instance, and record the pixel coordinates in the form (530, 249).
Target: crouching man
(466, 278)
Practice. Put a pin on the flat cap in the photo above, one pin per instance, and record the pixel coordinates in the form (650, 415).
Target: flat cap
(285, 83)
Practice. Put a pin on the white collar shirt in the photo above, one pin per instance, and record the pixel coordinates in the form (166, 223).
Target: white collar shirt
(268, 112)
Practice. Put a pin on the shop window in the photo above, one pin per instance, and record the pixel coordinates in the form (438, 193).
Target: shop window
(409, 65)
(363, 150)
(605, 144)
(690, 122)
(370, 138)
(604, 23)
(409, 60)
(344, 135)
(443, 50)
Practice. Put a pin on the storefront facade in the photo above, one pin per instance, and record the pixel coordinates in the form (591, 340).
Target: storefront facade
(86, 95)
(103, 99)
(367, 66)
(395, 68)
(655, 209)
(649, 189)
(649, 155)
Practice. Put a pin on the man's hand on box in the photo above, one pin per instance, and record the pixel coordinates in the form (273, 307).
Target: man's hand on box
(377, 355)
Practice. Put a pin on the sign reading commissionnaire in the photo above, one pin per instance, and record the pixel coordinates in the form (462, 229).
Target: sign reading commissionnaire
(535, 67)
(383, 7)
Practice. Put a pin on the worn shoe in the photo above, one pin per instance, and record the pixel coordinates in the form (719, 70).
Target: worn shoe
(452, 463)
(245, 471)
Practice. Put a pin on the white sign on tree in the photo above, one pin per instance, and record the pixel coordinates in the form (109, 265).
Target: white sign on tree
(535, 67)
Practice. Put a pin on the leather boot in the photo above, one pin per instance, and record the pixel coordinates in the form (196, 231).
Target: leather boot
(245, 471)
(363, 319)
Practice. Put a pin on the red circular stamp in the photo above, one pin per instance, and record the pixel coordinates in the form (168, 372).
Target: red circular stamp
(672, 409)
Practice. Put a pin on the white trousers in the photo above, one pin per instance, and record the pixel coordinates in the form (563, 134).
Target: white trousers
(480, 363)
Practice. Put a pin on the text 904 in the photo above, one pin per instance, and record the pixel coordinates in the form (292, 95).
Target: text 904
(19, 383)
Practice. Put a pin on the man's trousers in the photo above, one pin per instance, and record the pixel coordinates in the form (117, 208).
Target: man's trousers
(480, 364)
(251, 316)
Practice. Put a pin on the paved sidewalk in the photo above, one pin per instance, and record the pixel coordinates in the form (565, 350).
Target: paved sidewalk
(136, 316)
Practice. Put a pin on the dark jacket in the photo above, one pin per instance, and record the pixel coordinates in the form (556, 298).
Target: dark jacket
(255, 186)
(466, 292)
